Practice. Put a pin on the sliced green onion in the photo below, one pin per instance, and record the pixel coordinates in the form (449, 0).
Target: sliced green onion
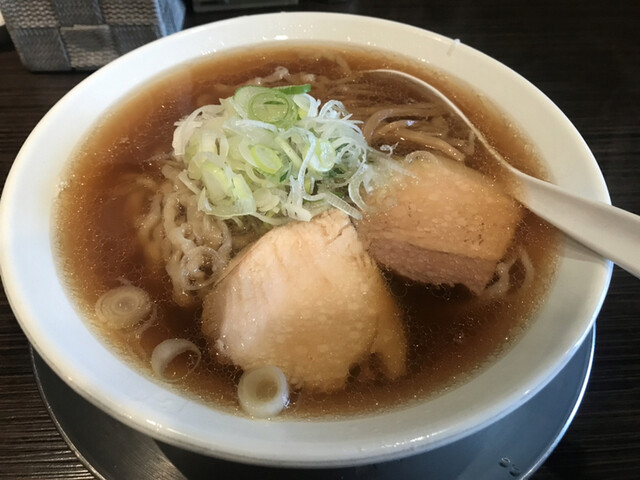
(294, 89)
(243, 195)
(216, 182)
(290, 152)
(273, 107)
(265, 151)
(265, 199)
(266, 159)
(242, 98)
(324, 157)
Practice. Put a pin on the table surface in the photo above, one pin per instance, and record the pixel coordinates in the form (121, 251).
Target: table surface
(584, 55)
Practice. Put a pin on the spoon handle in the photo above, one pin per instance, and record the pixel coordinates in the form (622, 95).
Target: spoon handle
(607, 230)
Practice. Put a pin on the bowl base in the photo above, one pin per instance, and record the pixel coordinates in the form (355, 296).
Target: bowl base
(513, 447)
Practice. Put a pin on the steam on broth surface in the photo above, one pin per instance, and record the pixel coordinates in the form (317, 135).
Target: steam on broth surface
(126, 165)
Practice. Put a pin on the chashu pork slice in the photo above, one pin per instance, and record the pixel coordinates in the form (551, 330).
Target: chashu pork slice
(307, 298)
(444, 224)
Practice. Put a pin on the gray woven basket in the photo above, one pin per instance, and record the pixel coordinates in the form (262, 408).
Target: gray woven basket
(54, 35)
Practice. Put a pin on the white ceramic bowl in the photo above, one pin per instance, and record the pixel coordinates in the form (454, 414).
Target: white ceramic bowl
(60, 336)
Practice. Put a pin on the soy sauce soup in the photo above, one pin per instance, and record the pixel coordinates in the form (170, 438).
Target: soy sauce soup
(451, 334)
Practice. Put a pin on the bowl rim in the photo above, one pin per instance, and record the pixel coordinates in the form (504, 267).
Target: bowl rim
(281, 443)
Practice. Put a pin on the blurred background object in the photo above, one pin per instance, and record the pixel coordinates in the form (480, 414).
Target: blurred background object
(61, 35)
(54, 35)
(213, 5)
(4, 36)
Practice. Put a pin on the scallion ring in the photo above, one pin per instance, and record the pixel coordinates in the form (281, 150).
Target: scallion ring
(273, 106)
(263, 392)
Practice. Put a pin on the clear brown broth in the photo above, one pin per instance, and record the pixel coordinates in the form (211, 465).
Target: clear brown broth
(450, 333)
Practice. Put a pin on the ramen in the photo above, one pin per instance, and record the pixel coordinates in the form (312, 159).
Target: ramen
(274, 212)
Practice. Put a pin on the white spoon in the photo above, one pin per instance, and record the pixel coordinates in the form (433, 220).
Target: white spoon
(609, 231)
